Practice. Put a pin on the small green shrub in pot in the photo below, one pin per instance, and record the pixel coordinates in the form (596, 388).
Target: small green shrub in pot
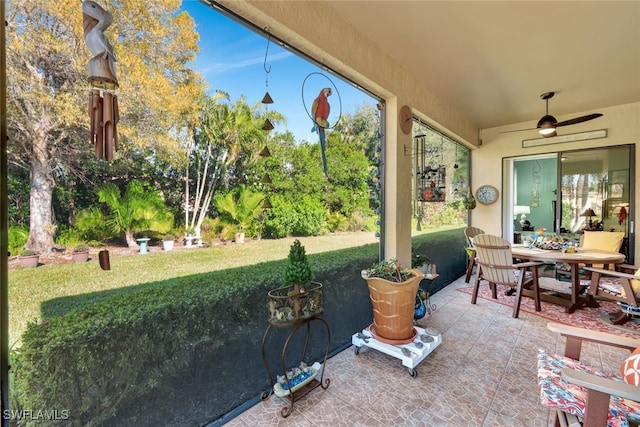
(300, 298)
(297, 272)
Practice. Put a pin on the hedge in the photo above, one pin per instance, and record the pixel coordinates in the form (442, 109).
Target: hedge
(187, 351)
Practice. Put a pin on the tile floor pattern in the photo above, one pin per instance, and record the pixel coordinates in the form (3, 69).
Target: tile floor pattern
(483, 374)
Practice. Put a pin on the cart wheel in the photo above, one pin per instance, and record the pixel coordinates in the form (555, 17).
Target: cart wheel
(413, 372)
(356, 350)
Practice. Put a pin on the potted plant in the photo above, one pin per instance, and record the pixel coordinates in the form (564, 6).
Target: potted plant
(300, 298)
(392, 290)
(469, 201)
(80, 253)
(167, 242)
(28, 258)
(421, 262)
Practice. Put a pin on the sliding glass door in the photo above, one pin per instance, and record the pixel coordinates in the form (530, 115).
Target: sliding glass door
(569, 192)
(596, 188)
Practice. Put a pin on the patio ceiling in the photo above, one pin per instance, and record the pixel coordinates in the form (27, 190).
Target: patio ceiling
(493, 60)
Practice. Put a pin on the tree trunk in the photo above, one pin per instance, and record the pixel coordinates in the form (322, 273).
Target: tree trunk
(41, 228)
(131, 240)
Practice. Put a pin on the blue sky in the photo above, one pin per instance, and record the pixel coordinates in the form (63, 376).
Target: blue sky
(232, 58)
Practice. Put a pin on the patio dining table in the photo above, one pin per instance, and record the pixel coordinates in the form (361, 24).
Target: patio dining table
(574, 259)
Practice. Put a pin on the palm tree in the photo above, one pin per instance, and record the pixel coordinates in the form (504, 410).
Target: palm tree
(238, 209)
(225, 146)
(138, 209)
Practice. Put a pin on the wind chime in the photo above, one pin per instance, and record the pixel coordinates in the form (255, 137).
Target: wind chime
(267, 126)
(103, 103)
(536, 178)
(431, 182)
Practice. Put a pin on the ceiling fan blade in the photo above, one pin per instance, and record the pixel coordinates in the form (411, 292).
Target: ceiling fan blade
(517, 130)
(579, 119)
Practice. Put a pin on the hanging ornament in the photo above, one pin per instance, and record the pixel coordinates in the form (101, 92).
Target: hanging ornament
(469, 201)
(265, 152)
(267, 98)
(103, 105)
(319, 114)
(267, 126)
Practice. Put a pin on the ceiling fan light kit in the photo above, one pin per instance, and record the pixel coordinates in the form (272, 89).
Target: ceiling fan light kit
(547, 124)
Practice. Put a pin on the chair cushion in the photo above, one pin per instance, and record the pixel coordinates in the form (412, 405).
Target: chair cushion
(613, 285)
(516, 275)
(630, 368)
(603, 240)
(557, 393)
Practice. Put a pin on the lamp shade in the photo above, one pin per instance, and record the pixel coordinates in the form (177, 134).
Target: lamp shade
(518, 209)
(589, 212)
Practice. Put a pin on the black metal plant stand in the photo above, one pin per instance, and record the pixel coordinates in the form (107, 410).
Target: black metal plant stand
(294, 393)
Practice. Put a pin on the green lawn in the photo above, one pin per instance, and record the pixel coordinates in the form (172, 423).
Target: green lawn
(29, 288)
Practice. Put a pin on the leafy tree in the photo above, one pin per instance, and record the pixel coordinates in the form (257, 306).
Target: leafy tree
(225, 146)
(139, 209)
(361, 129)
(47, 90)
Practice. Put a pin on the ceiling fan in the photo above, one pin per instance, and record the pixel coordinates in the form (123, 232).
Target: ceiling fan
(547, 124)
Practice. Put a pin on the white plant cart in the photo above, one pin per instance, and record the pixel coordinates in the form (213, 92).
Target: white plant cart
(411, 354)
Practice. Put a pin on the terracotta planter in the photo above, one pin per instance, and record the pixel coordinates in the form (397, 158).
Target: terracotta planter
(394, 307)
(29, 261)
(80, 256)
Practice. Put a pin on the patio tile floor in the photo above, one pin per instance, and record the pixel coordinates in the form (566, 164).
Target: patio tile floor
(483, 374)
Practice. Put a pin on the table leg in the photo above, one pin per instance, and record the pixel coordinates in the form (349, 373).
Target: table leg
(578, 301)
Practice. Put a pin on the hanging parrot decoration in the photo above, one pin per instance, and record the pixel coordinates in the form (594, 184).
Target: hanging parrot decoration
(622, 215)
(320, 113)
(103, 105)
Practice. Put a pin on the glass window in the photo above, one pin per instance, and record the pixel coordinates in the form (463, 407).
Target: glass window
(440, 180)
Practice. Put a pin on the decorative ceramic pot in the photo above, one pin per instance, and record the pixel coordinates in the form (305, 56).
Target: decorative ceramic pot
(29, 261)
(291, 304)
(167, 245)
(394, 307)
(80, 256)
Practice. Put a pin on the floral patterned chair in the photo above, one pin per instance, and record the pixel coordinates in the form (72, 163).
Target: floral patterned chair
(582, 395)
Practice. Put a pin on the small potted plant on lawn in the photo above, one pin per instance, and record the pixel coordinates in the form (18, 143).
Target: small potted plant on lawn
(80, 253)
(28, 258)
(300, 298)
(167, 242)
(392, 289)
